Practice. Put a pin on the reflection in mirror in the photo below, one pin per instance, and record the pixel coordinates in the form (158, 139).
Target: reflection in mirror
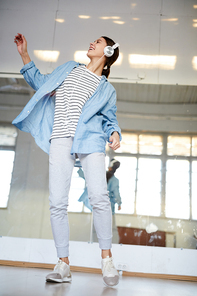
(156, 176)
(157, 188)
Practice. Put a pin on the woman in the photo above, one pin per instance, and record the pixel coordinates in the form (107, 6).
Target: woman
(71, 115)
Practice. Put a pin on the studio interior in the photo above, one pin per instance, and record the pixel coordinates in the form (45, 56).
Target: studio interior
(155, 81)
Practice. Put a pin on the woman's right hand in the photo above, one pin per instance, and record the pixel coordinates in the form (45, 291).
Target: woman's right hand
(21, 43)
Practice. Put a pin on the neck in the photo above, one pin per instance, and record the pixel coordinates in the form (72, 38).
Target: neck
(96, 66)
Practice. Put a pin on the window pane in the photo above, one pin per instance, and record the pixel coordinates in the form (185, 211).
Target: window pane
(8, 135)
(194, 146)
(76, 189)
(128, 143)
(179, 145)
(194, 190)
(6, 168)
(149, 187)
(177, 189)
(150, 144)
(127, 176)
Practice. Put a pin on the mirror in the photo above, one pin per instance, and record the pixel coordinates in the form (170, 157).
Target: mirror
(156, 176)
(155, 81)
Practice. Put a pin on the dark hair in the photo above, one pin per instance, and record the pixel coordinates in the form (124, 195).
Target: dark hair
(114, 164)
(111, 59)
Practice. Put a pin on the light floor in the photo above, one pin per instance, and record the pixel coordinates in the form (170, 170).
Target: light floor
(18, 281)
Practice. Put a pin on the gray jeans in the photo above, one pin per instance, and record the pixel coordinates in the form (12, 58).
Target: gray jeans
(61, 165)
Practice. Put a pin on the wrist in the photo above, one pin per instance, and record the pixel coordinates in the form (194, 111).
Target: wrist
(114, 132)
(25, 57)
(24, 54)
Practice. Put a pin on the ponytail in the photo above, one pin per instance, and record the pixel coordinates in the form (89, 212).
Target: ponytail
(106, 72)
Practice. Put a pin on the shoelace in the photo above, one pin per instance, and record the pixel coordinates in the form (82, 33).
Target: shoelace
(59, 263)
(108, 265)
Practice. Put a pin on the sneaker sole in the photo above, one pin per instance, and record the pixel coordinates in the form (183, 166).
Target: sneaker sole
(108, 285)
(64, 280)
(54, 280)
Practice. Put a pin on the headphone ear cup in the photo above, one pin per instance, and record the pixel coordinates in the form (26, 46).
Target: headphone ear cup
(108, 51)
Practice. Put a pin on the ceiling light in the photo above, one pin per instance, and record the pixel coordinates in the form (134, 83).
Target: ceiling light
(194, 63)
(195, 6)
(60, 20)
(110, 17)
(195, 25)
(47, 55)
(152, 61)
(135, 19)
(81, 57)
(170, 20)
(84, 16)
(119, 22)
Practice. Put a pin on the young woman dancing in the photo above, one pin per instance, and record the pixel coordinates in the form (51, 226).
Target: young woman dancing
(72, 115)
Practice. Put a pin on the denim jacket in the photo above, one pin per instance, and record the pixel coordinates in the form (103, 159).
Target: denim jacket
(96, 123)
(114, 193)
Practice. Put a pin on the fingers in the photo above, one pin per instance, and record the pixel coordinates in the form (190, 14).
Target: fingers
(114, 145)
(19, 38)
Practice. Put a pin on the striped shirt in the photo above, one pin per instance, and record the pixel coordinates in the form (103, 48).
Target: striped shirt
(71, 96)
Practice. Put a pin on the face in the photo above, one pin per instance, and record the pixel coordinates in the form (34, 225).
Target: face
(96, 48)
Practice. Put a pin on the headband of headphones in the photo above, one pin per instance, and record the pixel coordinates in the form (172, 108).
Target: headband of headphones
(115, 45)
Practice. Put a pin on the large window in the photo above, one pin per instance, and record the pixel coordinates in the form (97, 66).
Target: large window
(158, 175)
(7, 153)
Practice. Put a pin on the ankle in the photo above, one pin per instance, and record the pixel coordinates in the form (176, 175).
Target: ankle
(65, 260)
(106, 253)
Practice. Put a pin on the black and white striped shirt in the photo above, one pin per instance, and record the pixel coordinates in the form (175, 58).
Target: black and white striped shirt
(71, 95)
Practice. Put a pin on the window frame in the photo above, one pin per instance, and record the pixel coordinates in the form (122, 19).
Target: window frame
(164, 157)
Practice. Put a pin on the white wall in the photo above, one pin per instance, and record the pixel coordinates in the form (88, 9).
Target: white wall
(136, 259)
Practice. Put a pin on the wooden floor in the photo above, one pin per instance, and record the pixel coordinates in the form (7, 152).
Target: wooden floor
(18, 281)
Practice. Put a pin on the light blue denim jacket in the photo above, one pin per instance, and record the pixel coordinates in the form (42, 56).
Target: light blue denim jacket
(114, 193)
(96, 123)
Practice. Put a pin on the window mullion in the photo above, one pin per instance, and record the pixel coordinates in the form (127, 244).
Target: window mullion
(190, 181)
(136, 178)
(163, 176)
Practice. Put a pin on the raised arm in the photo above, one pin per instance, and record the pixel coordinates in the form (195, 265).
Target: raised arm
(29, 71)
(21, 43)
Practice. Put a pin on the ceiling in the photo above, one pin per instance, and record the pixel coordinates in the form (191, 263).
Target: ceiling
(158, 42)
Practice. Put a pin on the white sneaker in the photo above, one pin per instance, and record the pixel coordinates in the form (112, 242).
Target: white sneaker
(61, 273)
(110, 274)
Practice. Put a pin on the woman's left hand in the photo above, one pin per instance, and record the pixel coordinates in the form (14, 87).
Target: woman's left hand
(114, 141)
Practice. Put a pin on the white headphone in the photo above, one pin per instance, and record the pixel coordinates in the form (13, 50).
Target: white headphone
(109, 50)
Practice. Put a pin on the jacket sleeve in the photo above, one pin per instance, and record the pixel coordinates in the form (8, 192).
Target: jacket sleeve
(117, 192)
(110, 123)
(33, 76)
(81, 173)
